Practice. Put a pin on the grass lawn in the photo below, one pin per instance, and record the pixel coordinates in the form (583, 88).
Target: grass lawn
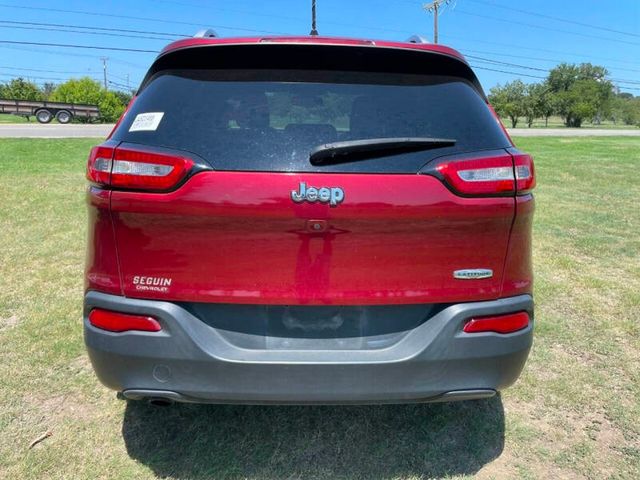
(575, 412)
(13, 119)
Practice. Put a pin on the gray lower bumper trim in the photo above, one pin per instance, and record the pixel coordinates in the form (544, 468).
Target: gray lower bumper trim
(191, 361)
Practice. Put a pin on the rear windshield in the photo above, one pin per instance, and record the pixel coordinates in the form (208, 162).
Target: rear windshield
(271, 120)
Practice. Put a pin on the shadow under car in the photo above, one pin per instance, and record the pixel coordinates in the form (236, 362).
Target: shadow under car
(260, 442)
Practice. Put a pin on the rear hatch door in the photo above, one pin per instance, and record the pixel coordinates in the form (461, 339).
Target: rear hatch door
(260, 223)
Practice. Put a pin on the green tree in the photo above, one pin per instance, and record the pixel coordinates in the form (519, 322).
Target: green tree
(580, 92)
(87, 90)
(627, 109)
(545, 105)
(82, 90)
(584, 99)
(537, 102)
(509, 100)
(111, 107)
(21, 89)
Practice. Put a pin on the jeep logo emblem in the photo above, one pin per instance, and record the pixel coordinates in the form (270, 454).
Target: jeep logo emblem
(333, 196)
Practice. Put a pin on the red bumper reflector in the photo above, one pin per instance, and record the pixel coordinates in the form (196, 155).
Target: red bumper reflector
(122, 322)
(499, 324)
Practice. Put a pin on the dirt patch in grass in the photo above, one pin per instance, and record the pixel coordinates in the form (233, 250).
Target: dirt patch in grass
(9, 322)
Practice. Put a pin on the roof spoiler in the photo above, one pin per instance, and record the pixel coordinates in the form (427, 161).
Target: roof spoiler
(255, 53)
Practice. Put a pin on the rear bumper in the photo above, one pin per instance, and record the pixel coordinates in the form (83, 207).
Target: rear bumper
(192, 362)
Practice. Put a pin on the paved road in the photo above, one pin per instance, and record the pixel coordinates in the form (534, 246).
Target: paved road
(36, 130)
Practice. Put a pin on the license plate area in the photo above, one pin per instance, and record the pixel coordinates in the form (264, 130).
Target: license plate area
(307, 327)
(316, 328)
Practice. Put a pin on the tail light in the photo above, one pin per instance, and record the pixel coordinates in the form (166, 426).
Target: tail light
(525, 174)
(99, 165)
(136, 169)
(500, 324)
(482, 176)
(489, 176)
(142, 170)
(122, 322)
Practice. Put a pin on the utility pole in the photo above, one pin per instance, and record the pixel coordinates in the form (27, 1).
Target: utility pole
(314, 31)
(104, 71)
(433, 8)
(128, 88)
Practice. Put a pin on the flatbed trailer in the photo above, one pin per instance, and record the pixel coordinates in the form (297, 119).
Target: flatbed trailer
(47, 111)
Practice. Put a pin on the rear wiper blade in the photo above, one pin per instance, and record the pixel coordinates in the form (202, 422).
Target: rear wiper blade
(353, 150)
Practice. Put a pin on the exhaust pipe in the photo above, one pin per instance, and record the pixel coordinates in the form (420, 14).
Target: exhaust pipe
(153, 397)
(160, 402)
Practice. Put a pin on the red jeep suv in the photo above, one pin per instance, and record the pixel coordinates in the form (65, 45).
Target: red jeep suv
(308, 220)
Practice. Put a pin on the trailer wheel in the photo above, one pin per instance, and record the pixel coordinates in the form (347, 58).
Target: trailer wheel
(63, 116)
(44, 116)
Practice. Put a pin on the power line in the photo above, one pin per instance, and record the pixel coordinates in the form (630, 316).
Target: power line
(531, 25)
(57, 79)
(96, 47)
(285, 17)
(537, 49)
(524, 57)
(630, 88)
(526, 67)
(476, 58)
(131, 17)
(174, 34)
(117, 84)
(144, 32)
(517, 74)
(479, 67)
(156, 38)
(66, 53)
(487, 60)
(67, 30)
(153, 51)
(121, 30)
(76, 72)
(557, 19)
(511, 73)
(118, 76)
(67, 45)
(545, 16)
(508, 64)
(29, 77)
(262, 31)
(253, 13)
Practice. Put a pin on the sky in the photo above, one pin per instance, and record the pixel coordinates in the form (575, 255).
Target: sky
(503, 39)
